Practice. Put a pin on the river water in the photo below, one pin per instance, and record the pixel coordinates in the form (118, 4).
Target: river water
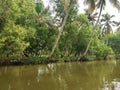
(95, 75)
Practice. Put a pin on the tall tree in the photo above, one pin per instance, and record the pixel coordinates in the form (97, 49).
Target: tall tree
(67, 11)
(107, 24)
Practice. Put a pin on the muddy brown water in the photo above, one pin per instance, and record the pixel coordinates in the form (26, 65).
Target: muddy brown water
(95, 75)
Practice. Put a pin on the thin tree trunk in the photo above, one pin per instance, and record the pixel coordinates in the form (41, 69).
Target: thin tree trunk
(107, 40)
(60, 30)
(93, 32)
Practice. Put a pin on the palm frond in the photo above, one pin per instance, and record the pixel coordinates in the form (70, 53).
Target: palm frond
(115, 3)
(112, 16)
(116, 23)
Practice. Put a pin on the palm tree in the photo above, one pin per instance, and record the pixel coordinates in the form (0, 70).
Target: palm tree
(99, 4)
(67, 10)
(107, 25)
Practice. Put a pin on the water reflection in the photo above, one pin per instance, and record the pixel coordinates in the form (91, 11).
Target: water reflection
(99, 75)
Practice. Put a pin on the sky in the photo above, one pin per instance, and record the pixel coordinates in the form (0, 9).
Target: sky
(108, 9)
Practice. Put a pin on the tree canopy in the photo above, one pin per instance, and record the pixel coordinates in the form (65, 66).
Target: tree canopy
(28, 29)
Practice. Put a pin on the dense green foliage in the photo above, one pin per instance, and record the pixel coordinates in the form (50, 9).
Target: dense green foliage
(27, 30)
(114, 42)
(16, 20)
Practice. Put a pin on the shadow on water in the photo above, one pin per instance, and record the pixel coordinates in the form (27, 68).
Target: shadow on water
(98, 75)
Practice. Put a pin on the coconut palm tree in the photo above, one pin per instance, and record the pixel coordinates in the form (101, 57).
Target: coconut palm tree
(106, 25)
(100, 4)
(67, 10)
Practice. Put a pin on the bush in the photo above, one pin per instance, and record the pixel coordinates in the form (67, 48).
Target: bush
(12, 42)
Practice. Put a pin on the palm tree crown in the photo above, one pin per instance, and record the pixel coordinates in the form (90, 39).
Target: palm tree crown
(107, 23)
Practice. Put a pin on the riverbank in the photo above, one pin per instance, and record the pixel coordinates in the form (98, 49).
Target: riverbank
(44, 60)
(28, 62)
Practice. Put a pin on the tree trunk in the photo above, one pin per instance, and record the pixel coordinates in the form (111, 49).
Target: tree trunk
(93, 32)
(107, 40)
(60, 30)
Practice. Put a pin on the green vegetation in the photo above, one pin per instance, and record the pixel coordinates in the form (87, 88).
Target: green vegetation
(114, 43)
(30, 34)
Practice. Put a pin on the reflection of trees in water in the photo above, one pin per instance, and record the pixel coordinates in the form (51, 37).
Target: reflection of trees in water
(59, 76)
(112, 82)
(8, 76)
(73, 76)
(17, 78)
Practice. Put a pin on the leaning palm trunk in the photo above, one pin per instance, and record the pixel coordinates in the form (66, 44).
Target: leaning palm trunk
(93, 32)
(61, 29)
